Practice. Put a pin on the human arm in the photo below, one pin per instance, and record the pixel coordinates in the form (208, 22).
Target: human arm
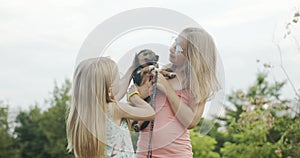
(141, 109)
(189, 116)
(124, 83)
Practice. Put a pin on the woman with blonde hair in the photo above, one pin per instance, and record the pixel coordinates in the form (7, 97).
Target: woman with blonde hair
(180, 101)
(97, 125)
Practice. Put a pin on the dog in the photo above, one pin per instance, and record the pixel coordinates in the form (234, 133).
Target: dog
(146, 61)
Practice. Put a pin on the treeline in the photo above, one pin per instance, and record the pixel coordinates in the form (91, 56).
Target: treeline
(38, 134)
(257, 123)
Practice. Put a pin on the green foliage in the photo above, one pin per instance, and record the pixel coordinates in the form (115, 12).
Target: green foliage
(286, 131)
(215, 133)
(248, 150)
(203, 146)
(43, 134)
(7, 142)
(134, 138)
(53, 122)
(261, 125)
(30, 137)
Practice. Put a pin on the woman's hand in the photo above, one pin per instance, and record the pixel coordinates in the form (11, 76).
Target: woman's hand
(162, 84)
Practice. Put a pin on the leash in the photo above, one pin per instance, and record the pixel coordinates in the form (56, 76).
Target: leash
(152, 121)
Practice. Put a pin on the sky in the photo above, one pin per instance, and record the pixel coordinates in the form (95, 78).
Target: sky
(40, 40)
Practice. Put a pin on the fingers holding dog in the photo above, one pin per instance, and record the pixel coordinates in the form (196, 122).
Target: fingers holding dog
(162, 83)
(132, 89)
(145, 89)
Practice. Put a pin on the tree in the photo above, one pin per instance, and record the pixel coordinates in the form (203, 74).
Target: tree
(203, 146)
(7, 143)
(43, 134)
(30, 137)
(264, 127)
(53, 123)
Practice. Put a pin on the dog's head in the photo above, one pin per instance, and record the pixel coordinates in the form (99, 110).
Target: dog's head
(143, 59)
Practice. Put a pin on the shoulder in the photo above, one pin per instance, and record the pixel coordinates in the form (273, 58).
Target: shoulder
(114, 109)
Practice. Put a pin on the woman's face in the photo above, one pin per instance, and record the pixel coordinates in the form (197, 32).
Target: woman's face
(178, 51)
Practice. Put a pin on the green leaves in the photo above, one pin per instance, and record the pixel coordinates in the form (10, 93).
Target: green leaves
(7, 142)
(264, 127)
(203, 146)
(43, 133)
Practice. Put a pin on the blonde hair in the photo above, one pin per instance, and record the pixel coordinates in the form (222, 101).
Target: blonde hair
(201, 56)
(86, 122)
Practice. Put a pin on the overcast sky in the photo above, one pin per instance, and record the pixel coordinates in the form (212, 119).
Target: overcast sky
(39, 40)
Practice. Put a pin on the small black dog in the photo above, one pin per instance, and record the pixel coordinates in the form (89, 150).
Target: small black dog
(145, 62)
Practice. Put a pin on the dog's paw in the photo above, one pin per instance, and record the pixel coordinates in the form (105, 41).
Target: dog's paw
(146, 69)
(167, 74)
(151, 68)
(172, 75)
(136, 127)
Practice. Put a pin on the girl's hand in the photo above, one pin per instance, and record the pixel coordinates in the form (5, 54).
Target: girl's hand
(146, 89)
(132, 89)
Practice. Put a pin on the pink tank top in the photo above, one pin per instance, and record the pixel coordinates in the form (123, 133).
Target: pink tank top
(170, 138)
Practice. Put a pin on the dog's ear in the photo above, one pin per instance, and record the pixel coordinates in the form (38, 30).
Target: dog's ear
(156, 58)
(137, 77)
(136, 60)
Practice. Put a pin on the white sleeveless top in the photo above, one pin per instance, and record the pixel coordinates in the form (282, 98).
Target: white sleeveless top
(119, 144)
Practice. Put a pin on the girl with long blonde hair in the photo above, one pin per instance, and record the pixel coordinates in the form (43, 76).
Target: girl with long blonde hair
(97, 125)
(180, 101)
